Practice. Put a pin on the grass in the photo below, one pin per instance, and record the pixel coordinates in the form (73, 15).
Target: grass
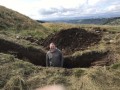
(36, 34)
(16, 74)
(15, 24)
(79, 72)
(115, 21)
(12, 37)
(100, 48)
(13, 70)
(54, 27)
(16, 83)
(13, 20)
(116, 66)
(20, 75)
(106, 79)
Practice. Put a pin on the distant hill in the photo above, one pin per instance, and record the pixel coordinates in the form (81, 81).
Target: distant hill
(10, 19)
(93, 21)
(113, 21)
(100, 21)
(40, 21)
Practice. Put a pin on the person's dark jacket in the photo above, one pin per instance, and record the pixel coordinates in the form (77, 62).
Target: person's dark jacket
(54, 59)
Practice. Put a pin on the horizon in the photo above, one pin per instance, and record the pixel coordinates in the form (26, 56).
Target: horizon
(64, 9)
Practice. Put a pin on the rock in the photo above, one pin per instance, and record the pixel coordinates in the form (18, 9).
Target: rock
(17, 37)
(111, 41)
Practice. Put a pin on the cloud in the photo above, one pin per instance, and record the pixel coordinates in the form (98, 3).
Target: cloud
(49, 11)
(44, 9)
(113, 8)
(89, 7)
(52, 11)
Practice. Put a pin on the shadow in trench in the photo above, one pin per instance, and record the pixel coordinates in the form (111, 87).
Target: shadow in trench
(31, 54)
(86, 60)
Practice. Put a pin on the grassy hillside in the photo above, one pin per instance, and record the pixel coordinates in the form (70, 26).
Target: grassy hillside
(101, 21)
(98, 21)
(113, 21)
(16, 23)
(10, 19)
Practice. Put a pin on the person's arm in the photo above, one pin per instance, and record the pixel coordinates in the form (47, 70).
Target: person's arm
(47, 60)
(62, 60)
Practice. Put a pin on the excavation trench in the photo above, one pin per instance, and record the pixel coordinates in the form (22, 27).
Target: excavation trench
(89, 59)
(30, 54)
(76, 39)
(68, 41)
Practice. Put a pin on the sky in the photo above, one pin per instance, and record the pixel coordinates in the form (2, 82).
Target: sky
(52, 9)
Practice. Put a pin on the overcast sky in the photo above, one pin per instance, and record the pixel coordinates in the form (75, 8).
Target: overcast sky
(47, 9)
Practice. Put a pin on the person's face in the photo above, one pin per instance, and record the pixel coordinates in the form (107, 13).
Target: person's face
(52, 46)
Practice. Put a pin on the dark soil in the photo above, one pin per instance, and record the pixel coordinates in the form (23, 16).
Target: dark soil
(72, 40)
(89, 59)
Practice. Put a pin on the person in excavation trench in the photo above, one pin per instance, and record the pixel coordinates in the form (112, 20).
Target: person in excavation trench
(54, 57)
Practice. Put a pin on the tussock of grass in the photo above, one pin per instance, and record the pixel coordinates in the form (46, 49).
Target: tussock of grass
(11, 67)
(105, 79)
(16, 83)
(6, 59)
(36, 34)
(116, 66)
(79, 72)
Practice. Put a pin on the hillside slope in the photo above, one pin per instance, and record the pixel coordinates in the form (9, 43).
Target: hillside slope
(113, 21)
(91, 21)
(10, 19)
(98, 21)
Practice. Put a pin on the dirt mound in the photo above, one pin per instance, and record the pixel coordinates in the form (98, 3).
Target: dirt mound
(73, 39)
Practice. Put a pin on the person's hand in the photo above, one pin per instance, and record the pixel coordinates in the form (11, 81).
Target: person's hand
(53, 87)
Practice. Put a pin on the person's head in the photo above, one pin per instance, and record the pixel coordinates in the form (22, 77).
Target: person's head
(52, 46)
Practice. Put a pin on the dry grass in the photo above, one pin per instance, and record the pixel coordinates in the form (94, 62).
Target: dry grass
(13, 20)
(101, 48)
(54, 27)
(20, 75)
(16, 74)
